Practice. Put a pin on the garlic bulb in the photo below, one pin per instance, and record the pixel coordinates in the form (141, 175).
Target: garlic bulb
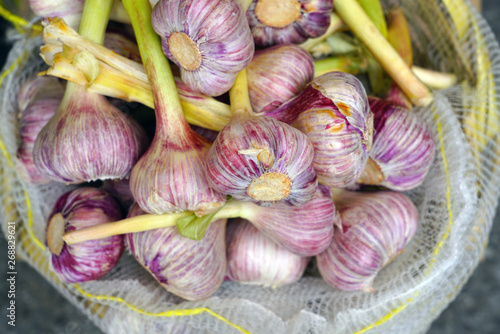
(262, 160)
(191, 269)
(89, 260)
(333, 112)
(38, 100)
(123, 46)
(288, 21)
(120, 190)
(375, 228)
(88, 139)
(403, 148)
(253, 258)
(277, 74)
(209, 40)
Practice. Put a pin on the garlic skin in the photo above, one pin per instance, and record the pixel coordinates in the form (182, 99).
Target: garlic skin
(209, 40)
(170, 176)
(262, 160)
(253, 258)
(305, 230)
(403, 148)
(38, 100)
(375, 228)
(190, 269)
(89, 260)
(333, 112)
(123, 46)
(288, 21)
(277, 74)
(88, 139)
(120, 190)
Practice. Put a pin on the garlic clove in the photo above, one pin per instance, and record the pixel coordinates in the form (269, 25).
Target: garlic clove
(333, 112)
(89, 260)
(277, 74)
(88, 139)
(403, 148)
(375, 228)
(288, 21)
(253, 258)
(262, 160)
(305, 230)
(209, 40)
(191, 269)
(38, 100)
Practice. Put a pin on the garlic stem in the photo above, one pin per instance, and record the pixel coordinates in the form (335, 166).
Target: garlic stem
(433, 79)
(95, 19)
(373, 8)
(399, 35)
(352, 13)
(239, 96)
(351, 64)
(336, 24)
(232, 209)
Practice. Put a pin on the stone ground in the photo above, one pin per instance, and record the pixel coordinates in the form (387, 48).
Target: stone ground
(41, 309)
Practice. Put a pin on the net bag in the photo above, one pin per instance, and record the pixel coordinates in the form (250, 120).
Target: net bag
(456, 206)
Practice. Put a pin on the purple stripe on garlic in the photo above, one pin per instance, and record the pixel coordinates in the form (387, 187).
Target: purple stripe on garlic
(375, 228)
(38, 100)
(89, 260)
(288, 21)
(209, 40)
(253, 258)
(333, 112)
(191, 269)
(277, 74)
(403, 148)
(262, 160)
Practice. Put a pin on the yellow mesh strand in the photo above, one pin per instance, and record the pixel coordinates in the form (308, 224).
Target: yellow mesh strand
(17, 20)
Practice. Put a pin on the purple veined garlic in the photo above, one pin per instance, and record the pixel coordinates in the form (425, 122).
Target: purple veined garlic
(209, 40)
(38, 100)
(88, 139)
(170, 176)
(89, 260)
(123, 46)
(71, 10)
(205, 133)
(253, 258)
(191, 269)
(403, 148)
(277, 74)
(375, 228)
(288, 21)
(333, 112)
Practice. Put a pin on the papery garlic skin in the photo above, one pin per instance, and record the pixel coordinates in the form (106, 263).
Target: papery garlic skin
(191, 269)
(277, 74)
(376, 227)
(253, 258)
(209, 40)
(403, 146)
(122, 45)
(38, 100)
(305, 230)
(89, 260)
(170, 177)
(288, 21)
(120, 190)
(262, 160)
(88, 139)
(333, 112)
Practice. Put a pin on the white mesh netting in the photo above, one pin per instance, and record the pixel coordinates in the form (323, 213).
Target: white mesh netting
(456, 207)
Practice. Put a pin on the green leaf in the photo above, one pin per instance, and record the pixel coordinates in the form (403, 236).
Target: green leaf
(193, 227)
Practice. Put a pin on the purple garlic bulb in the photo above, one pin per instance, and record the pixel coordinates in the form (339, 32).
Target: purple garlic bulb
(333, 112)
(89, 260)
(119, 189)
(375, 228)
(277, 74)
(88, 139)
(253, 258)
(123, 46)
(288, 21)
(191, 269)
(262, 160)
(305, 230)
(403, 148)
(38, 100)
(209, 40)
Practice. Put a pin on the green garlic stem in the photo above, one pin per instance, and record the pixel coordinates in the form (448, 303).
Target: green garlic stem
(239, 97)
(374, 10)
(95, 19)
(167, 103)
(352, 64)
